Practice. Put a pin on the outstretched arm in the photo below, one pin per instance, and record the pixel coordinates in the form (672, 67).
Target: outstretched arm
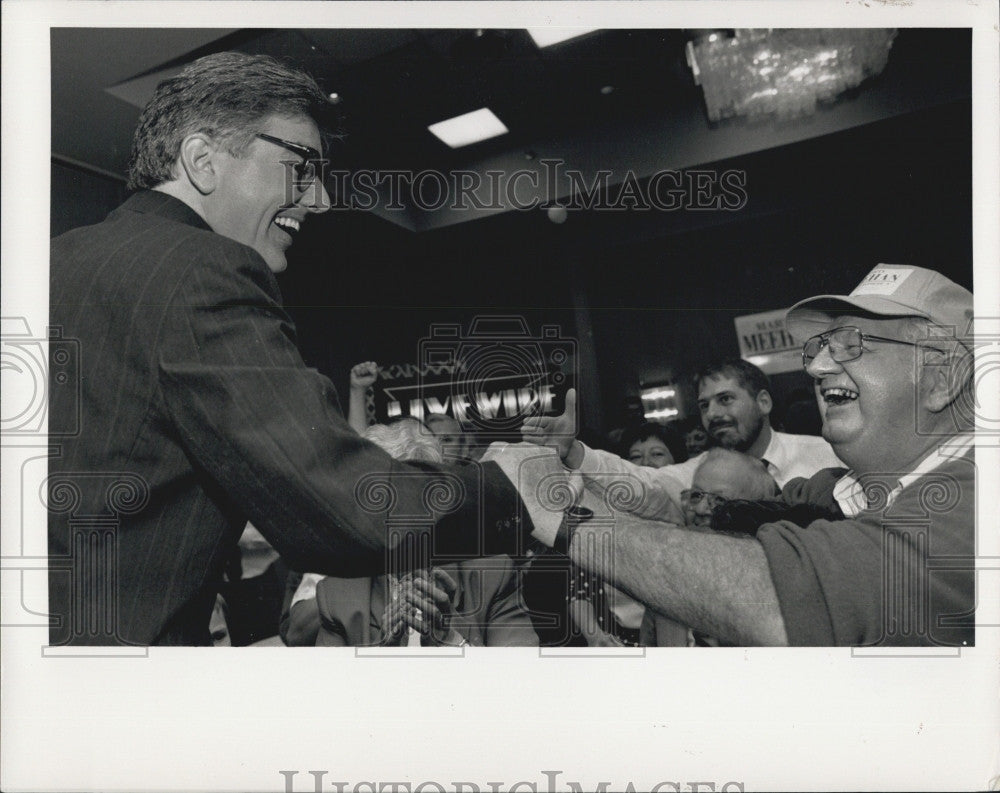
(716, 584)
(657, 493)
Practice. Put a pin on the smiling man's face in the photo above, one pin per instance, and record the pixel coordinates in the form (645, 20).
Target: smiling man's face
(869, 404)
(256, 200)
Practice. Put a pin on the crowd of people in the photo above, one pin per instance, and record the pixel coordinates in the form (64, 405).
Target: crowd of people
(725, 531)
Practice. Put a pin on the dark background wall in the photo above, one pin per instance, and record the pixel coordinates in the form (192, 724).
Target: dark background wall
(81, 196)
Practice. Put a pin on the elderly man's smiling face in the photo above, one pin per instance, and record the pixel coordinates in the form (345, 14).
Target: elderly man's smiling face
(256, 201)
(869, 405)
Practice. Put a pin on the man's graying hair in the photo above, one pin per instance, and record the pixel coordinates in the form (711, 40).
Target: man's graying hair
(408, 439)
(225, 95)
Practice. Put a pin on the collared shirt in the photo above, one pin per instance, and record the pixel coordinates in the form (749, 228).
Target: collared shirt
(850, 493)
(791, 456)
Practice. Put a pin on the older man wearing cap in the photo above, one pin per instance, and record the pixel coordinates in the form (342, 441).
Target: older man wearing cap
(898, 567)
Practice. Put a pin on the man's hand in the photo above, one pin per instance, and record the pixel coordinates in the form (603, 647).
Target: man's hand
(558, 432)
(363, 375)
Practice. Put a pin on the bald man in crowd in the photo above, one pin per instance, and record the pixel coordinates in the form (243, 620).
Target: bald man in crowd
(894, 373)
(722, 476)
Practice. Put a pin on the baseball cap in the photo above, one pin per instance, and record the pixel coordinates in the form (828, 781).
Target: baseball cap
(889, 290)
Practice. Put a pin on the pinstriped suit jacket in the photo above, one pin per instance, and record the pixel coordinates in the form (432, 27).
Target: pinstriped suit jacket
(196, 414)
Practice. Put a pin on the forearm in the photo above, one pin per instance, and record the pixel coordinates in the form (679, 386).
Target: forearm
(574, 458)
(356, 410)
(241, 402)
(644, 492)
(716, 584)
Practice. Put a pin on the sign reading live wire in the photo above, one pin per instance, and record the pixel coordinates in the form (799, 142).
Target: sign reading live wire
(767, 344)
(490, 378)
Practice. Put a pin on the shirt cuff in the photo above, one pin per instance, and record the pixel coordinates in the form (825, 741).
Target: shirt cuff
(307, 588)
(543, 483)
(591, 463)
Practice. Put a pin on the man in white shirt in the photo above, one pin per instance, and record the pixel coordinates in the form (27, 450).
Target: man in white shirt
(735, 404)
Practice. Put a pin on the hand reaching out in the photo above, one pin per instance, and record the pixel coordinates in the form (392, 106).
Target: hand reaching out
(364, 375)
(556, 431)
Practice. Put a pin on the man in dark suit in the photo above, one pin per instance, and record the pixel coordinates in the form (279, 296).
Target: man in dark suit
(197, 410)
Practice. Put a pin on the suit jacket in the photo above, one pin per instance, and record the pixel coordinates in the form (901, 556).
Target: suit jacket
(487, 605)
(196, 413)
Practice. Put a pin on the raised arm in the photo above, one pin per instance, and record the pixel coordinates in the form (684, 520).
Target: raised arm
(363, 376)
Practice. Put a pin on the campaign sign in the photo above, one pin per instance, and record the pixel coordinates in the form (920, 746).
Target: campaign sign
(766, 342)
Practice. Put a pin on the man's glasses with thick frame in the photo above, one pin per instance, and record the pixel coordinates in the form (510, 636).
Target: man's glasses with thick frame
(311, 166)
(847, 344)
(695, 497)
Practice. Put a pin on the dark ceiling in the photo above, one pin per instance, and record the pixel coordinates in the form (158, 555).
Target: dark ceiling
(546, 93)
(393, 83)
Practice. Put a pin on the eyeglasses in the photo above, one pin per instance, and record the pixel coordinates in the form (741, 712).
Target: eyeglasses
(695, 497)
(309, 168)
(847, 344)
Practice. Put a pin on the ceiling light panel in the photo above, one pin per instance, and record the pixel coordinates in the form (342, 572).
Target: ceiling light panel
(469, 128)
(546, 37)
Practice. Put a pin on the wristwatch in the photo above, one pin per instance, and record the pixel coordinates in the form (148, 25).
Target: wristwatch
(572, 518)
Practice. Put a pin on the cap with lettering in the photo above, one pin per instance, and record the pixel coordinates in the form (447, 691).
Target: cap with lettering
(890, 290)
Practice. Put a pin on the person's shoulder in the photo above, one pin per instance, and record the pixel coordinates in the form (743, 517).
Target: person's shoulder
(816, 489)
(155, 227)
(683, 472)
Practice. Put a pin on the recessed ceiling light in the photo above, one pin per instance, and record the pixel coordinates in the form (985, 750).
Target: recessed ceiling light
(469, 128)
(546, 37)
(607, 90)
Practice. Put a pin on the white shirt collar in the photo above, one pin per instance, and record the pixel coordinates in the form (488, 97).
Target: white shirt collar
(850, 495)
(776, 454)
